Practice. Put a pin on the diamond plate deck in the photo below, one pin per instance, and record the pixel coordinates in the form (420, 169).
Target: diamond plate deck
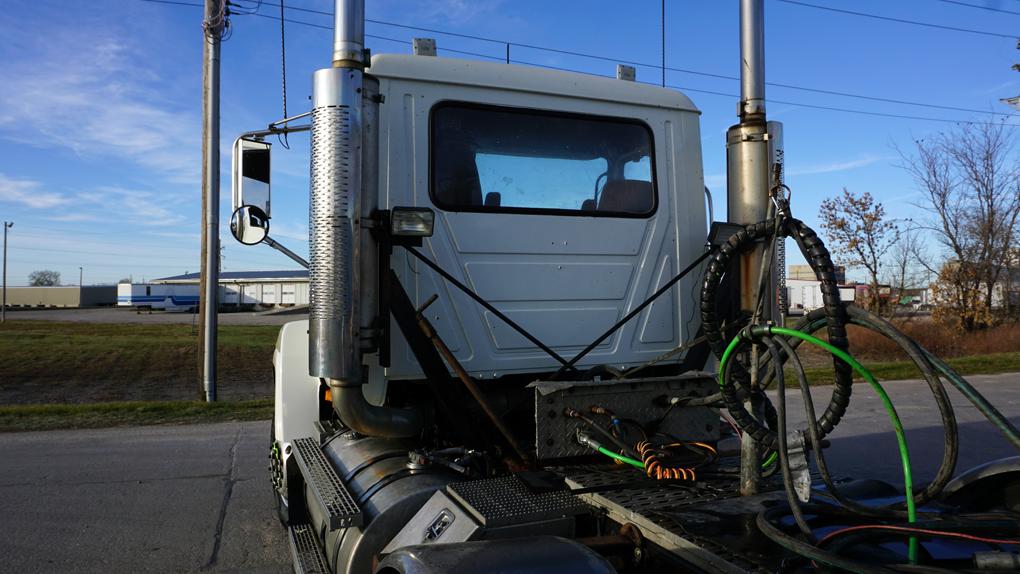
(709, 526)
(337, 503)
(305, 552)
(507, 500)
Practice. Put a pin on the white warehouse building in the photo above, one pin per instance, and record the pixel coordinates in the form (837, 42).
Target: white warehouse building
(285, 288)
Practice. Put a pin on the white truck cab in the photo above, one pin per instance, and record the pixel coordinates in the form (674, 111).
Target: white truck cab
(564, 199)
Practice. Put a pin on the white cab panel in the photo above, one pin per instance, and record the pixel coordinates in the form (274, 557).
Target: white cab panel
(564, 278)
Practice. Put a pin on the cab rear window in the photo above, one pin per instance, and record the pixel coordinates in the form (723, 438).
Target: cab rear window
(497, 159)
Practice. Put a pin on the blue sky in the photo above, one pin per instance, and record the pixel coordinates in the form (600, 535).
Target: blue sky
(100, 104)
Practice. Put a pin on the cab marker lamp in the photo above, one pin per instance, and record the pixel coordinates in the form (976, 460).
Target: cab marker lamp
(412, 221)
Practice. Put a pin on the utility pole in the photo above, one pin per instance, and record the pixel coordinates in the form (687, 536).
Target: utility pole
(212, 31)
(3, 306)
(81, 285)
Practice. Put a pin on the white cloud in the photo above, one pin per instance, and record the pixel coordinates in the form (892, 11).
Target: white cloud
(141, 207)
(72, 217)
(834, 166)
(447, 12)
(26, 192)
(97, 100)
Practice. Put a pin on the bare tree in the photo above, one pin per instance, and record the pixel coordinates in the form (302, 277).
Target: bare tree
(904, 258)
(969, 178)
(859, 235)
(44, 278)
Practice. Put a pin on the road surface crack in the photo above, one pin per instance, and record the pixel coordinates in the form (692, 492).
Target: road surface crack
(229, 479)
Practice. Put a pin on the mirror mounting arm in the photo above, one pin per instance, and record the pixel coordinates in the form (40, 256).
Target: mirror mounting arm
(275, 245)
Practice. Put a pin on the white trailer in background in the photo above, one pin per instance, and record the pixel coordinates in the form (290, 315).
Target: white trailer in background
(166, 297)
(805, 295)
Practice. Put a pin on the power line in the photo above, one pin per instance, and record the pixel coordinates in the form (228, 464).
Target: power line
(899, 20)
(980, 7)
(664, 67)
(644, 64)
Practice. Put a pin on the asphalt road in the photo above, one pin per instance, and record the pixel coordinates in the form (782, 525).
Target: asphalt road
(197, 498)
(151, 499)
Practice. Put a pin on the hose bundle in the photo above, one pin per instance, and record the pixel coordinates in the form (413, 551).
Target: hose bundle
(781, 345)
(820, 260)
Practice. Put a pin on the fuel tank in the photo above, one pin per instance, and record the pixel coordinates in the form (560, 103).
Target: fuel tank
(388, 492)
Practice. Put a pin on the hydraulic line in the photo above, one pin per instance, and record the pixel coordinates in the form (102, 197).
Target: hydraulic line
(810, 551)
(814, 436)
(747, 334)
(818, 257)
(858, 316)
(784, 457)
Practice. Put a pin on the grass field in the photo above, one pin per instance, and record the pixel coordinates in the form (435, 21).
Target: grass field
(80, 375)
(133, 413)
(49, 362)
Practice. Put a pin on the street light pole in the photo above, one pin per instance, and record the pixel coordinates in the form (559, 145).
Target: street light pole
(3, 306)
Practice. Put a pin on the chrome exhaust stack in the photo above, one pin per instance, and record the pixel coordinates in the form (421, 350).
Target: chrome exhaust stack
(333, 224)
(335, 266)
(747, 186)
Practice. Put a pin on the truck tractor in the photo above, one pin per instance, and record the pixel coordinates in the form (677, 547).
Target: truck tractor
(529, 349)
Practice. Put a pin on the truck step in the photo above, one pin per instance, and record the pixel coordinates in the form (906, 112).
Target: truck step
(337, 504)
(305, 552)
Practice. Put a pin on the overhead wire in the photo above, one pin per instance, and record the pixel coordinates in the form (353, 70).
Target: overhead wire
(282, 138)
(989, 8)
(898, 20)
(641, 64)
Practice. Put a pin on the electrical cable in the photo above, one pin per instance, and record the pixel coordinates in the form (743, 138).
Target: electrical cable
(810, 551)
(989, 8)
(907, 530)
(899, 20)
(616, 60)
(282, 138)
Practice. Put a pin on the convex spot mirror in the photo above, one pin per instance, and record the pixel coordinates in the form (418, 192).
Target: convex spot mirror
(250, 178)
(249, 225)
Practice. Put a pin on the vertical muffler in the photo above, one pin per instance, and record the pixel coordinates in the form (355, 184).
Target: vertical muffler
(333, 224)
(335, 238)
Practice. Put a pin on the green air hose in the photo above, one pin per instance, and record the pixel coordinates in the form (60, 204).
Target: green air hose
(901, 439)
(620, 457)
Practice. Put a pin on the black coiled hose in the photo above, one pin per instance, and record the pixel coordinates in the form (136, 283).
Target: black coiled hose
(818, 257)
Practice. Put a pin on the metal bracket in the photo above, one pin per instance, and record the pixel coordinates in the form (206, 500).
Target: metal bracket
(799, 465)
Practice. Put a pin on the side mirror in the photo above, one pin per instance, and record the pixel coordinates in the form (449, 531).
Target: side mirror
(249, 225)
(250, 177)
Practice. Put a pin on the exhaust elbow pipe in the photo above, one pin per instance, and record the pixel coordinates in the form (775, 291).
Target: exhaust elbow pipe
(365, 418)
